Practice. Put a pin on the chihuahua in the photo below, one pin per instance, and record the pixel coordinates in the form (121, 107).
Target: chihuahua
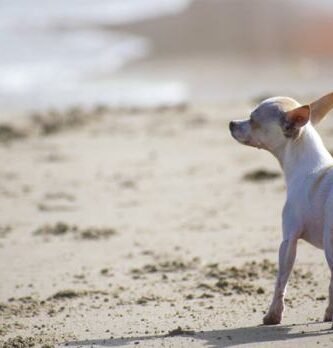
(286, 129)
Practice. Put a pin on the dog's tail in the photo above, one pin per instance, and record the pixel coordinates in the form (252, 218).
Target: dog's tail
(321, 107)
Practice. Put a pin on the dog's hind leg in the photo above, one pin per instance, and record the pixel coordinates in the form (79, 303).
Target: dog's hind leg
(328, 247)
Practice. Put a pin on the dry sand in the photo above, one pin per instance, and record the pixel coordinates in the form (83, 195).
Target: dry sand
(147, 227)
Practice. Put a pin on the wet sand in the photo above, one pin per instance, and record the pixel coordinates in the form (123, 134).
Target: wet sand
(148, 227)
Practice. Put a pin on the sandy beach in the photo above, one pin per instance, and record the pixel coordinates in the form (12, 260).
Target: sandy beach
(134, 218)
(148, 227)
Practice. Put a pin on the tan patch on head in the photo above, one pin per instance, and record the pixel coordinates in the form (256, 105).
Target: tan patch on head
(285, 103)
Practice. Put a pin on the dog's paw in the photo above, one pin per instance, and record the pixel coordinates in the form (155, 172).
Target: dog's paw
(272, 318)
(328, 315)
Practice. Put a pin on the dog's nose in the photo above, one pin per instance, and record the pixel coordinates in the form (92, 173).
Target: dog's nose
(232, 126)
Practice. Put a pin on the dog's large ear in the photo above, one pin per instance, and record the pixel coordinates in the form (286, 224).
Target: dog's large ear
(298, 117)
(321, 107)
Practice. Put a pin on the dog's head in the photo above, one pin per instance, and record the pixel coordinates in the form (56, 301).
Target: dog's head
(277, 121)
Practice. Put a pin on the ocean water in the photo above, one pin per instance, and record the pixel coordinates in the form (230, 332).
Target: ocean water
(59, 53)
(55, 53)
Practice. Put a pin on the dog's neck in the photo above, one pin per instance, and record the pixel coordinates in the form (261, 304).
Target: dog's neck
(303, 156)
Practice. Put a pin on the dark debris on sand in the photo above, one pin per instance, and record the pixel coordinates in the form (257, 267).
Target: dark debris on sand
(259, 175)
(25, 342)
(9, 133)
(228, 281)
(238, 280)
(24, 307)
(166, 266)
(180, 332)
(243, 279)
(146, 299)
(19, 342)
(50, 122)
(69, 294)
(55, 121)
(5, 230)
(61, 228)
(32, 306)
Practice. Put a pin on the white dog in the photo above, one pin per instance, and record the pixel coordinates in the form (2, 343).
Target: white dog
(286, 129)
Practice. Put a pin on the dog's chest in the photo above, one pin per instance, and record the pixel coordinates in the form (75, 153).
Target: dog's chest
(311, 206)
(305, 215)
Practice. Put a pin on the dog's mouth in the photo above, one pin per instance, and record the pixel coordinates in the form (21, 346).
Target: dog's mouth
(237, 137)
(246, 141)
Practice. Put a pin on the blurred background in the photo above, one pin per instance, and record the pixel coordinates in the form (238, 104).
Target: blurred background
(153, 52)
(127, 209)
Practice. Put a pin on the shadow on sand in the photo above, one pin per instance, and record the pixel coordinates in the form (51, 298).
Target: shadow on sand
(217, 338)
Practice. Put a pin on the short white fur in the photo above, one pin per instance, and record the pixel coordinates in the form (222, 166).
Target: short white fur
(308, 171)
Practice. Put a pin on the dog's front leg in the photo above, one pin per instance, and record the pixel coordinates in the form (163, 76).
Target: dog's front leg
(287, 255)
(329, 310)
